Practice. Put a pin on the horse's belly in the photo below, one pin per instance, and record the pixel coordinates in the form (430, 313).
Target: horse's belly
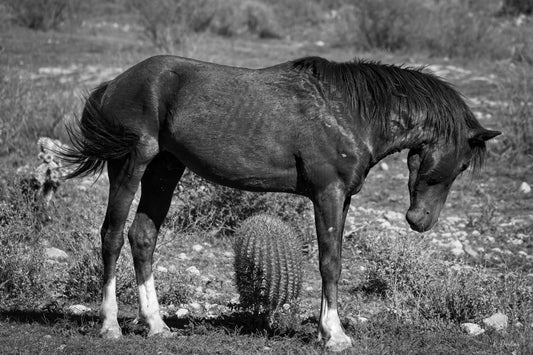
(239, 161)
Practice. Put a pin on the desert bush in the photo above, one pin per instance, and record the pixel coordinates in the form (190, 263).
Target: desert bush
(167, 23)
(202, 206)
(173, 288)
(296, 13)
(453, 29)
(42, 14)
(387, 24)
(234, 17)
(27, 114)
(84, 276)
(417, 283)
(516, 114)
(22, 269)
(163, 21)
(517, 7)
(457, 29)
(268, 264)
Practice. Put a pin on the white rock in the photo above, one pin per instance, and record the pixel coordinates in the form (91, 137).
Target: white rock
(55, 253)
(470, 251)
(320, 43)
(161, 268)
(193, 270)
(78, 309)
(393, 216)
(522, 253)
(456, 248)
(525, 188)
(195, 306)
(182, 313)
(384, 167)
(497, 321)
(490, 239)
(472, 329)
(197, 248)
(475, 233)
(183, 256)
(453, 219)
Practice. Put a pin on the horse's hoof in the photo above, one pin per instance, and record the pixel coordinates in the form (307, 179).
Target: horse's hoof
(339, 344)
(111, 333)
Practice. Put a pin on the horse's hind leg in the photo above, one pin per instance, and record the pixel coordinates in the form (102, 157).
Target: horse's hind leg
(124, 177)
(157, 187)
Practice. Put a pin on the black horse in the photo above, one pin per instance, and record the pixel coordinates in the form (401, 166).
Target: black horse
(310, 127)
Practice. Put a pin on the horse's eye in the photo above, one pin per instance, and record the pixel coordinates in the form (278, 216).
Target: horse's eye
(465, 166)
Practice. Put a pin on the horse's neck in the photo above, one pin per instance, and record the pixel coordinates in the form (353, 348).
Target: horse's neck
(404, 133)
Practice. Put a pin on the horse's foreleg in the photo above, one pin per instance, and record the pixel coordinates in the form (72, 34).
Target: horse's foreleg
(123, 183)
(157, 187)
(331, 206)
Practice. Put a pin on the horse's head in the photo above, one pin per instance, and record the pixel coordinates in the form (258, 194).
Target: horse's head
(432, 170)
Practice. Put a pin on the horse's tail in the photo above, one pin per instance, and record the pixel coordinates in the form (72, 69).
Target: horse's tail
(97, 138)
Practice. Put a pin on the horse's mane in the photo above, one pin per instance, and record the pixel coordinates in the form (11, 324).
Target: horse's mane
(377, 90)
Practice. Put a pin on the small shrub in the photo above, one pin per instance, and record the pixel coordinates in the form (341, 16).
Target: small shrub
(84, 277)
(268, 264)
(452, 29)
(408, 273)
(202, 206)
(163, 21)
(29, 113)
(22, 269)
(516, 144)
(462, 30)
(517, 7)
(168, 23)
(387, 24)
(234, 17)
(42, 14)
(173, 288)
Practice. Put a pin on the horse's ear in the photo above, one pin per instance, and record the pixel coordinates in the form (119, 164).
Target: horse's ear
(481, 134)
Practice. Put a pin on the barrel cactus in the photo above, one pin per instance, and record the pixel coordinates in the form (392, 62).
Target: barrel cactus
(268, 264)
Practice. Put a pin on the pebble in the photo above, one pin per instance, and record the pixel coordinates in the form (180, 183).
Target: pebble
(78, 309)
(393, 216)
(490, 239)
(193, 270)
(472, 329)
(522, 253)
(525, 188)
(456, 248)
(182, 313)
(497, 321)
(384, 167)
(161, 268)
(470, 251)
(475, 233)
(183, 256)
(195, 306)
(197, 248)
(55, 253)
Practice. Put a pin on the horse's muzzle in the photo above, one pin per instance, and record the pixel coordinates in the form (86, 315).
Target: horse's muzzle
(420, 219)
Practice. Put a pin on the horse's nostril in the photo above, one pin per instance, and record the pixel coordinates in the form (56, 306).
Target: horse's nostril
(427, 212)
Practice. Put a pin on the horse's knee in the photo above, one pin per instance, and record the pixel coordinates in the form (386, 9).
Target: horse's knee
(142, 236)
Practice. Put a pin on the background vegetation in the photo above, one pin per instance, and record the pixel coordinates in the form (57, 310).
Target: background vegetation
(414, 291)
